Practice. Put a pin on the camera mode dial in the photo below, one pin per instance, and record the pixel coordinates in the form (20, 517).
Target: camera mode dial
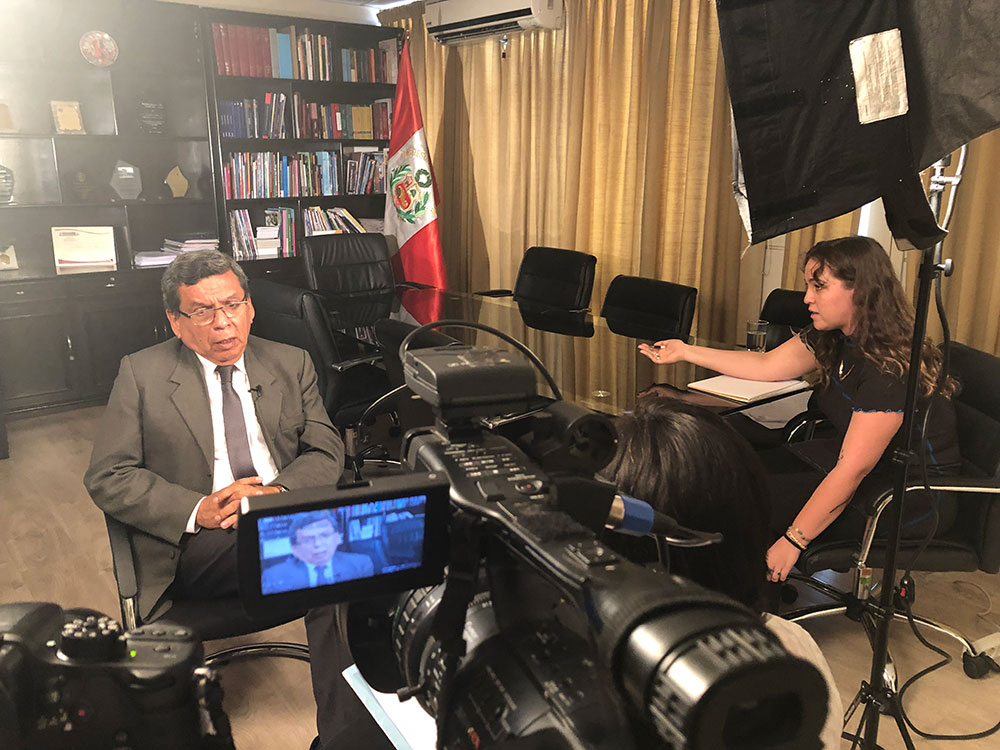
(92, 638)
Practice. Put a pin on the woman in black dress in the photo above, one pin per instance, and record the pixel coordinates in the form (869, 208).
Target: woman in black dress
(859, 341)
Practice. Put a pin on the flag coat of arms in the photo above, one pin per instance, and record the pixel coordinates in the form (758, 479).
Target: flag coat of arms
(411, 194)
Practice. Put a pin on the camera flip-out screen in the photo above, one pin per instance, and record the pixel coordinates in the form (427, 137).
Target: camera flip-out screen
(325, 545)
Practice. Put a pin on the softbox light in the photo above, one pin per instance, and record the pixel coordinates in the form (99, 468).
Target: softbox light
(839, 102)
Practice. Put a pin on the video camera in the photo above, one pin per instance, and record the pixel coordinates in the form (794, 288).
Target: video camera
(74, 681)
(541, 636)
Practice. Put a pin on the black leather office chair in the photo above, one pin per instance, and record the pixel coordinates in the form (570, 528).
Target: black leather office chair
(552, 277)
(211, 620)
(349, 384)
(972, 540)
(649, 308)
(787, 313)
(410, 410)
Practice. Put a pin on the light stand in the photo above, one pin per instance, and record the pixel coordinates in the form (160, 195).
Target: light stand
(877, 695)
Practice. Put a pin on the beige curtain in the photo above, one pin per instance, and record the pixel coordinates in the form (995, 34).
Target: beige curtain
(972, 294)
(609, 136)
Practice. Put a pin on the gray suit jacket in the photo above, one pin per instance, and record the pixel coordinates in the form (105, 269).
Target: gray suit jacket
(153, 454)
(292, 574)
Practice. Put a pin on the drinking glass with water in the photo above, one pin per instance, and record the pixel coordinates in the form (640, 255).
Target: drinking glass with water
(756, 335)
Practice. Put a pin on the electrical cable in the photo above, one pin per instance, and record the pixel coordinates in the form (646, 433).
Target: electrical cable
(946, 660)
(405, 345)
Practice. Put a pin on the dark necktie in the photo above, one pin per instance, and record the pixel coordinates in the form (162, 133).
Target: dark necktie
(237, 444)
(322, 577)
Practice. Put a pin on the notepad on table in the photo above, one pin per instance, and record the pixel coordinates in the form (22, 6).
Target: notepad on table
(746, 391)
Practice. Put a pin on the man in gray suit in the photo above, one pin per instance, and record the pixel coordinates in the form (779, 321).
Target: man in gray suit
(316, 560)
(196, 423)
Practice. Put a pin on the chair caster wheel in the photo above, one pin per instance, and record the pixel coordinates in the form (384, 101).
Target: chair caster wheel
(977, 666)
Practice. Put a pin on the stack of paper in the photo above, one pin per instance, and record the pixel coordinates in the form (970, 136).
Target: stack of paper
(746, 391)
(268, 242)
(153, 258)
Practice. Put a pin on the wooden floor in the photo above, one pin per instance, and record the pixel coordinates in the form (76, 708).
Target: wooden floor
(53, 547)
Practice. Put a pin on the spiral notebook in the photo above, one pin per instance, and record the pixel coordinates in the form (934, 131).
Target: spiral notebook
(746, 391)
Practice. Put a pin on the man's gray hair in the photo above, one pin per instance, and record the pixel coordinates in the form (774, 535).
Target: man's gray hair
(190, 268)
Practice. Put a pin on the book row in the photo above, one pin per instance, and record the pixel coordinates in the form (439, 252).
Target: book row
(335, 220)
(333, 120)
(276, 239)
(253, 118)
(252, 175)
(259, 52)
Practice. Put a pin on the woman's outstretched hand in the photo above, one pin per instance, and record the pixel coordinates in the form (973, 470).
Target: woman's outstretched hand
(664, 352)
(781, 558)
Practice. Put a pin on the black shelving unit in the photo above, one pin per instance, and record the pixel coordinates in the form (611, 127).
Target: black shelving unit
(223, 88)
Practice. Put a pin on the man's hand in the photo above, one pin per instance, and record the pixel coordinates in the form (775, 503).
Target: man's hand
(781, 557)
(664, 352)
(220, 509)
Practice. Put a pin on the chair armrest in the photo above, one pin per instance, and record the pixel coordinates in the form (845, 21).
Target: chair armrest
(802, 426)
(957, 484)
(347, 364)
(496, 293)
(413, 285)
(121, 558)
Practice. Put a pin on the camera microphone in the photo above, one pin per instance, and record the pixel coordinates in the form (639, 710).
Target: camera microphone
(257, 391)
(599, 505)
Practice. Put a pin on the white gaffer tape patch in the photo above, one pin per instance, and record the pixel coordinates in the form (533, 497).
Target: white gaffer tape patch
(879, 76)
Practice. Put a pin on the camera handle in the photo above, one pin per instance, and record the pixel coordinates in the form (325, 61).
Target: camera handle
(449, 620)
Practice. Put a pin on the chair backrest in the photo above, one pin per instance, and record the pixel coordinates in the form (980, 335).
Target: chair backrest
(390, 334)
(348, 264)
(649, 308)
(295, 316)
(977, 408)
(977, 416)
(787, 312)
(555, 277)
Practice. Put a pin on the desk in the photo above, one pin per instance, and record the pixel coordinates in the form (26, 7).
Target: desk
(593, 365)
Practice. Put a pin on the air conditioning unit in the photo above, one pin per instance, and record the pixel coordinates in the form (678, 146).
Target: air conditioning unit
(456, 21)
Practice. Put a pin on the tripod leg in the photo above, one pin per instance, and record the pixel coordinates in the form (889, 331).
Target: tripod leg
(896, 710)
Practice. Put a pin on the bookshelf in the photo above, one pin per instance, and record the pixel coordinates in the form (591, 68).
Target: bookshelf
(292, 103)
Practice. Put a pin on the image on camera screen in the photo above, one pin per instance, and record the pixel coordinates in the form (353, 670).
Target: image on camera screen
(321, 547)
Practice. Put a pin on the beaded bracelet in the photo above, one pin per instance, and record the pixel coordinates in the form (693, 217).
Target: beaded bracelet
(795, 543)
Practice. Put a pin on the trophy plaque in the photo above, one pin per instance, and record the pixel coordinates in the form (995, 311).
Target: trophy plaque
(152, 116)
(83, 188)
(125, 180)
(177, 182)
(6, 184)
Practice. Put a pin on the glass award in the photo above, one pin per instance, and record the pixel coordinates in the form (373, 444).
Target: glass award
(126, 181)
(177, 182)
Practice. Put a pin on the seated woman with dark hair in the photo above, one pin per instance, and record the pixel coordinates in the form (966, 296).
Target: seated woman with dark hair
(688, 463)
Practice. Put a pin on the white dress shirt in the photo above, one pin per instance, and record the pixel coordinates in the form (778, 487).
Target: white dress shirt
(222, 473)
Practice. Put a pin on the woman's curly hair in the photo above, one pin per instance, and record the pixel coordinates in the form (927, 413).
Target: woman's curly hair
(883, 316)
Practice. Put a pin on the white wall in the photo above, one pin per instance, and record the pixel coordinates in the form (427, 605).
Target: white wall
(328, 10)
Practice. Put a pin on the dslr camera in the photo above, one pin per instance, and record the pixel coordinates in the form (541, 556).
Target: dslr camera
(480, 585)
(74, 681)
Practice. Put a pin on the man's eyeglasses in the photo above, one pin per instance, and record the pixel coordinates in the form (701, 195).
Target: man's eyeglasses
(206, 315)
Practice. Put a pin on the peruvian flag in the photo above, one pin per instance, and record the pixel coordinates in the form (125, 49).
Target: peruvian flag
(411, 195)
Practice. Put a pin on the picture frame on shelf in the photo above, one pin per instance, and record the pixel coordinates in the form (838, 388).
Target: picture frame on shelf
(86, 249)
(67, 118)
